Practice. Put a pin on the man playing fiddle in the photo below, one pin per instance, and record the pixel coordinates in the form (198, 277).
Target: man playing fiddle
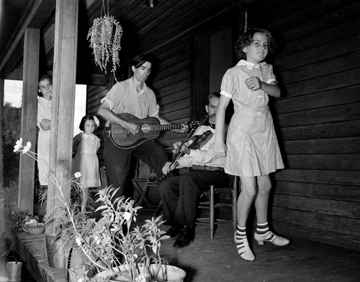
(180, 194)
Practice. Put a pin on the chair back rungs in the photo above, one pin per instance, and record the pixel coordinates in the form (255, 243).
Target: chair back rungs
(212, 204)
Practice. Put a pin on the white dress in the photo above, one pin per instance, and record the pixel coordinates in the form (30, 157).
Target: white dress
(86, 160)
(252, 145)
(43, 145)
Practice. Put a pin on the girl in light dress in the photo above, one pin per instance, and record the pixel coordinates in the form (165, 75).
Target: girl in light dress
(85, 147)
(44, 124)
(252, 147)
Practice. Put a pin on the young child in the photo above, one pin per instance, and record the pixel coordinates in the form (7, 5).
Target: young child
(252, 147)
(85, 147)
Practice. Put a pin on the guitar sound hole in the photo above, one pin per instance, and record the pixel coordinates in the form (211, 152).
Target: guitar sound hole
(145, 128)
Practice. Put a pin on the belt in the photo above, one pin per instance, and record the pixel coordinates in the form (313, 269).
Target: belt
(205, 167)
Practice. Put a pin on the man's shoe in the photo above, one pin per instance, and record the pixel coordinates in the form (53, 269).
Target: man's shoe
(185, 238)
(174, 230)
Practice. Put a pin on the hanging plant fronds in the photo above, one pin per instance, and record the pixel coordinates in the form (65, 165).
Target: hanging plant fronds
(105, 41)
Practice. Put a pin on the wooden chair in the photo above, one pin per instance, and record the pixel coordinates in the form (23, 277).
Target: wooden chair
(142, 182)
(213, 204)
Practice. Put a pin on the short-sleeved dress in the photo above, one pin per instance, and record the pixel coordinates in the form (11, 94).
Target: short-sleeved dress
(252, 145)
(43, 146)
(86, 160)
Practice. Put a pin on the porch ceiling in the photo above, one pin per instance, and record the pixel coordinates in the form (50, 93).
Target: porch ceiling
(144, 27)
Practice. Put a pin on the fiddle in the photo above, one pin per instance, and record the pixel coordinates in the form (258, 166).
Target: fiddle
(192, 138)
(195, 142)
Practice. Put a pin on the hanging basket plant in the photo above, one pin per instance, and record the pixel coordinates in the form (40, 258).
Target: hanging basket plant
(105, 41)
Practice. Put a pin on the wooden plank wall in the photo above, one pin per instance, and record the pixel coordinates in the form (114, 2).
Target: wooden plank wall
(172, 85)
(317, 196)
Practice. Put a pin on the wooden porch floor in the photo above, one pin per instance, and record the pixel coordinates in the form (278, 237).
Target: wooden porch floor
(217, 260)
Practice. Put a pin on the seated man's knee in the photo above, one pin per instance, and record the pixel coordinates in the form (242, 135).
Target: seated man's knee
(162, 188)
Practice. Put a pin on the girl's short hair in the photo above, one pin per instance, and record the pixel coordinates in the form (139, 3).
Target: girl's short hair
(84, 119)
(43, 77)
(139, 60)
(247, 38)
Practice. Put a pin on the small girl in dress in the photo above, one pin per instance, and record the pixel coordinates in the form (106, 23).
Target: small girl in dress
(252, 147)
(85, 147)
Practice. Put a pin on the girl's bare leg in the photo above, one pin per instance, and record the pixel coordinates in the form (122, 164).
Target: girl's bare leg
(263, 233)
(262, 198)
(244, 202)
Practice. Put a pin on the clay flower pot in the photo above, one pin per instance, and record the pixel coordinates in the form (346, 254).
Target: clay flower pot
(34, 228)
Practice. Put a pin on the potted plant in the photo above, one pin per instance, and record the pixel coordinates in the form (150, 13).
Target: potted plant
(116, 248)
(105, 41)
(111, 246)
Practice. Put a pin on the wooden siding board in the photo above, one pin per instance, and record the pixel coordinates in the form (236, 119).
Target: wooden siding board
(321, 115)
(321, 99)
(175, 67)
(319, 206)
(303, 22)
(332, 62)
(97, 96)
(336, 129)
(317, 190)
(309, 175)
(335, 162)
(176, 50)
(174, 97)
(290, 66)
(343, 145)
(176, 87)
(171, 107)
(178, 76)
(327, 82)
(318, 38)
(183, 113)
(270, 8)
(328, 222)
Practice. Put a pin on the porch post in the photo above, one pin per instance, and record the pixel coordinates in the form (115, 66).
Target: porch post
(2, 90)
(28, 117)
(63, 102)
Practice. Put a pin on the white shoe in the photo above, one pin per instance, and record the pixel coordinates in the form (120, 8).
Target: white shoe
(243, 249)
(272, 238)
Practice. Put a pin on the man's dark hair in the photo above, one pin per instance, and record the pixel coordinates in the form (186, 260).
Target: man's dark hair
(139, 60)
(214, 94)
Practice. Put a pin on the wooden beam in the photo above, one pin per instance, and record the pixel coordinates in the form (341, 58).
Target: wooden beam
(28, 117)
(25, 20)
(62, 119)
(2, 90)
(37, 14)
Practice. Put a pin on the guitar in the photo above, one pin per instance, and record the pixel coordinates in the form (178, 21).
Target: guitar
(150, 129)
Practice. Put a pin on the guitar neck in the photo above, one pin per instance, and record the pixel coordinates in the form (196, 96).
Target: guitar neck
(164, 127)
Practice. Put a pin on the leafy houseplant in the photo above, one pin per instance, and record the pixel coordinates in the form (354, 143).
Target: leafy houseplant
(105, 41)
(111, 246)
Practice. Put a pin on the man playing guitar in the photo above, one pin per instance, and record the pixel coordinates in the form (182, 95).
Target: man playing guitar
(131, 96)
